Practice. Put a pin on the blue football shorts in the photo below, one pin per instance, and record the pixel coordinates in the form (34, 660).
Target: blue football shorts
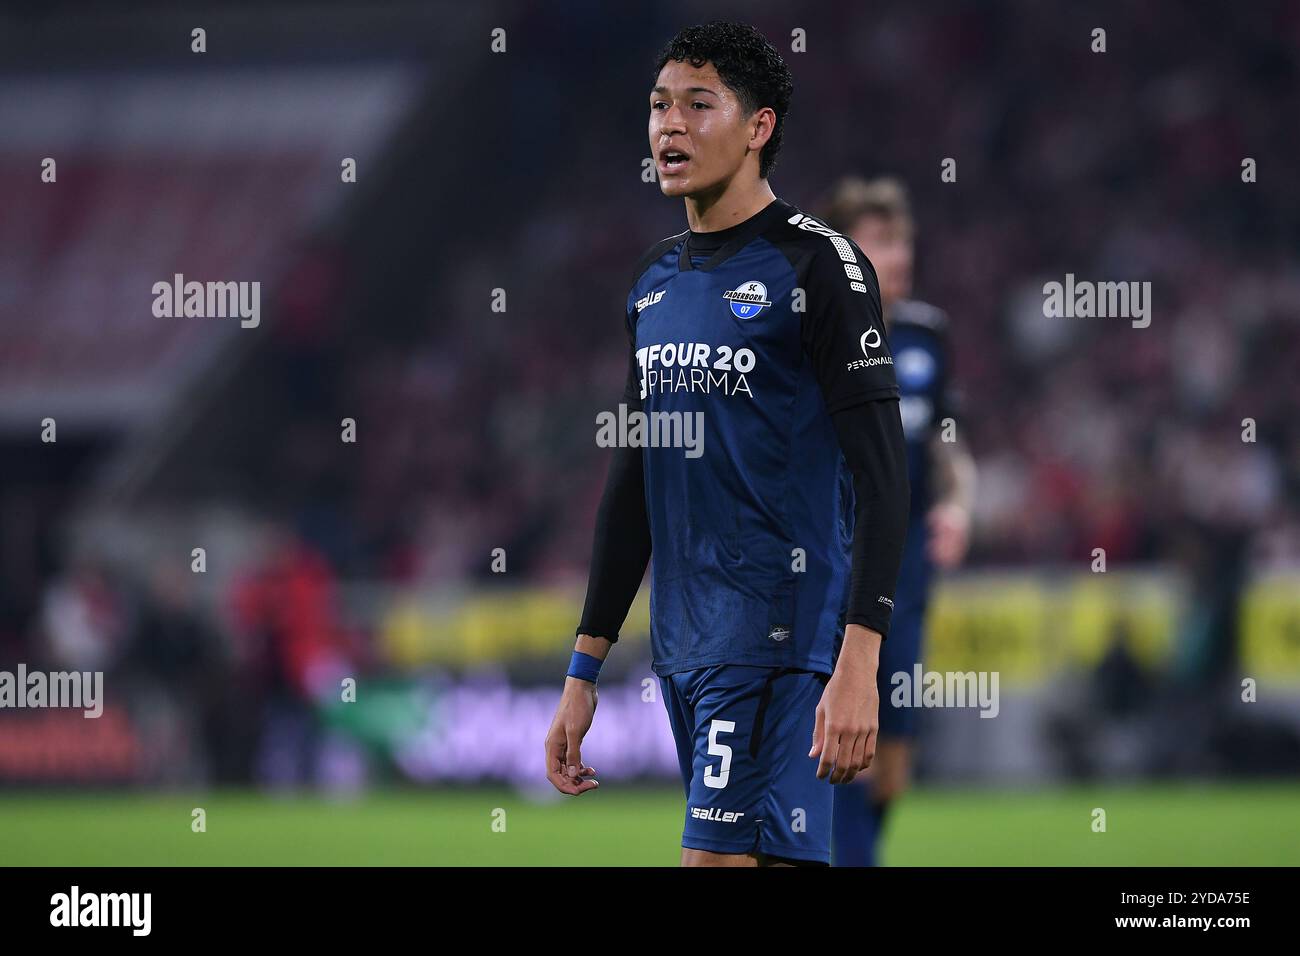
(743, 733)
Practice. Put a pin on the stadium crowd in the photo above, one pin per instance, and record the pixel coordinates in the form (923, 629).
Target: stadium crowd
(478, 431)
(1089, 432)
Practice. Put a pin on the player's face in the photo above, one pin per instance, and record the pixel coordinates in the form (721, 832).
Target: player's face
(888, 244)
(698, 129)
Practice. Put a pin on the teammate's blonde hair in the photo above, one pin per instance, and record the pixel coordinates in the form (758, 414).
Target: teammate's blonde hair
(853, 197)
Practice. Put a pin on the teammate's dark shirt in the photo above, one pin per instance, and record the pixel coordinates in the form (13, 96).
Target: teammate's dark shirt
(918, 337)
(772, 330)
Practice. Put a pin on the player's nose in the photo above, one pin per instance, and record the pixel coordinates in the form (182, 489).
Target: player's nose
(672, 119)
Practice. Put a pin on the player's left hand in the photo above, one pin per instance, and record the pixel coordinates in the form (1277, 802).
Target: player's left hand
(949, 525)
(848, 713)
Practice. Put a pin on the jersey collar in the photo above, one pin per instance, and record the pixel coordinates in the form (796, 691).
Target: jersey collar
(743, 233)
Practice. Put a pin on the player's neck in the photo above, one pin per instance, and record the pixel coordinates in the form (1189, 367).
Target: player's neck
(731, 205)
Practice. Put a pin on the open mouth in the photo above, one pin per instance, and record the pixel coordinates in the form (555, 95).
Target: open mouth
(674, 160)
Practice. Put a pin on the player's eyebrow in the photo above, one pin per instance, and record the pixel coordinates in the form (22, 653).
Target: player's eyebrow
(689, 89)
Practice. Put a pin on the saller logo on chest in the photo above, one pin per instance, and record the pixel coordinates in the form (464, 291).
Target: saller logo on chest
(648, 300)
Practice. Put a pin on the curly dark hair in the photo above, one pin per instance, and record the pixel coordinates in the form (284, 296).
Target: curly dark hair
(747, 63)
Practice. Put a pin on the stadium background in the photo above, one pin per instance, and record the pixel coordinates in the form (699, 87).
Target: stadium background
(521, 170)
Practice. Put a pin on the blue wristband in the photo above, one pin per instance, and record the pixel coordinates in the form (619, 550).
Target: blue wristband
(584, 666)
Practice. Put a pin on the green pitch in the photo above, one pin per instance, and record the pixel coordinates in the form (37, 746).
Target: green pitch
(1228, 825)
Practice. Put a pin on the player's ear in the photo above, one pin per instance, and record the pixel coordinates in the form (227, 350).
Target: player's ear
(761, 126)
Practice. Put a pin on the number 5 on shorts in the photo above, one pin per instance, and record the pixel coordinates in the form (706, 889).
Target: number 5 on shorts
(719, 780)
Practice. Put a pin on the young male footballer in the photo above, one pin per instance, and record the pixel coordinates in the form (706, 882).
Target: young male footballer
(877, 215)
(774, 547)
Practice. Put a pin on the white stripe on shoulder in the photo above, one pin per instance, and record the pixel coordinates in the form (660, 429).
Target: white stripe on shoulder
(843, 248)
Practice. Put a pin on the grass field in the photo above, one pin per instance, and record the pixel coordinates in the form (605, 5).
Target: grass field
(1166, 825)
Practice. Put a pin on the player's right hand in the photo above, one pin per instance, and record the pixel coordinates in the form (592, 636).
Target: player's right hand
(564, 766)
(847, 718)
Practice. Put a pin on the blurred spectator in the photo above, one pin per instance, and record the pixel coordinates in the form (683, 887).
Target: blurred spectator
(293, 654)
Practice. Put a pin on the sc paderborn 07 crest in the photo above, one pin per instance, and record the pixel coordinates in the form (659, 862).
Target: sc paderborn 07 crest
(748, 299)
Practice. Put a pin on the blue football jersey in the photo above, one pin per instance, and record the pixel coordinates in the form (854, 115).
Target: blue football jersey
(918, 335)
(760, 341)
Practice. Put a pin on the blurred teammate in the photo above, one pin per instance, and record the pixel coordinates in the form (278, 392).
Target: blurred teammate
(765, 325)
(942, 476)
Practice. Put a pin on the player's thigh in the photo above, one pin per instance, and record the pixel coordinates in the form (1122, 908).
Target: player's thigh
(728, 780)
(693, 857)
(682, 724)
(796, 818)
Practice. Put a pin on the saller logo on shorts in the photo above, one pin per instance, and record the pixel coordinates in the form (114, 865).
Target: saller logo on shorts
(713, 813)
